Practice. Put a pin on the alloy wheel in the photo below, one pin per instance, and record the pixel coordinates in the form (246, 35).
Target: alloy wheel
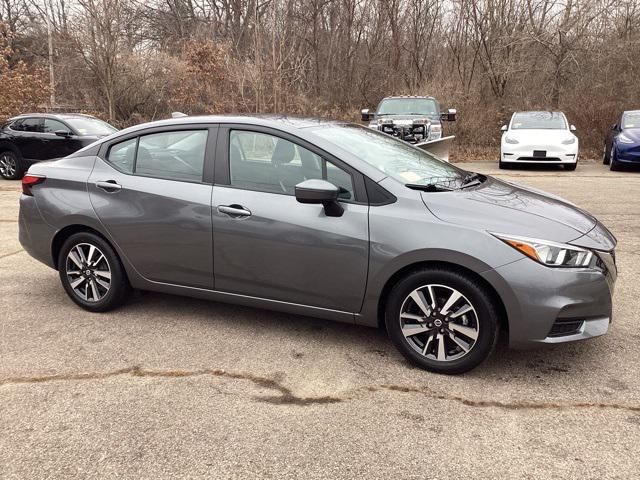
(439, 322)
(8, 165)
(88, 272)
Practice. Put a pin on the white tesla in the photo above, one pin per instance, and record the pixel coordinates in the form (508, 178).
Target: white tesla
(539, 138)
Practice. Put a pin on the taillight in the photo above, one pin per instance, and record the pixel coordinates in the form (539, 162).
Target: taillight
(29, 180)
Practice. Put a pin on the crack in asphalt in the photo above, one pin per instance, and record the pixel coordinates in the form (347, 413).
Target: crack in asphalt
(287, 397)
(11, 253)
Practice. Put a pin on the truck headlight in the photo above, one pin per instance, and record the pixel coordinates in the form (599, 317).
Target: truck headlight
(436, 128)
(549, 253)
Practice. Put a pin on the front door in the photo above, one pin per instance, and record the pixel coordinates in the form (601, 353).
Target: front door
(149, 193)
(268, 245)
(57, 146)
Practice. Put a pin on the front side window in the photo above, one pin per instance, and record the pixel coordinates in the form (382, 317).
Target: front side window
(538, 121)
(172, 155)
(393, 157)
(266, 163)
(52, 126)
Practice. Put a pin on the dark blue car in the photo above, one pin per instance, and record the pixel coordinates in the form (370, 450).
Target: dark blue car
(622, 144)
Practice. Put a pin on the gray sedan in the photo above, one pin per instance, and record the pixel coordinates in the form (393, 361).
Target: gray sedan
(326, 219)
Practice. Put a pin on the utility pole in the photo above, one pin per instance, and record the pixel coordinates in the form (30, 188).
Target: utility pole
(52, 80)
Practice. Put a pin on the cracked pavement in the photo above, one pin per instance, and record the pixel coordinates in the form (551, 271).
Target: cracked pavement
(171, 387)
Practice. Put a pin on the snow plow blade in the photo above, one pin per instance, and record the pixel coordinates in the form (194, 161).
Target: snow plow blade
(439, 148)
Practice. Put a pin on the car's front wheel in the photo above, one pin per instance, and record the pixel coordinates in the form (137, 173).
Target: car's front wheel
(441, 320)
(91, 273)
(571, 166)
(10, 165)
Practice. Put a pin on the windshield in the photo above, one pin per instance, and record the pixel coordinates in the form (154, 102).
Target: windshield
(408, 106)
(90, 126)
(393, 157)
(538, 120)
(631, 120)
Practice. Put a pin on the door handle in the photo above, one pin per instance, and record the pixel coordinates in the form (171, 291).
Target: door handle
(234, 210)
(109, 186)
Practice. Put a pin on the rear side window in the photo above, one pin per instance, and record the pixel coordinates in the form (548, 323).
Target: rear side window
(29, 125)
(122, 155)
(177, 155)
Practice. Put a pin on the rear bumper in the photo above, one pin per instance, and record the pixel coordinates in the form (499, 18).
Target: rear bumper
(34, 233)
(550, 305)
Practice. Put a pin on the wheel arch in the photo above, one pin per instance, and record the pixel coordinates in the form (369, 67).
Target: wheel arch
(6, 145)
(64, 233)
(503, 320)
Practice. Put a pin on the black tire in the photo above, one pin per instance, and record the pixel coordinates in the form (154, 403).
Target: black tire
(12, 169)
(613, 165)
(119, 288)
(571, 166)
(486, 313)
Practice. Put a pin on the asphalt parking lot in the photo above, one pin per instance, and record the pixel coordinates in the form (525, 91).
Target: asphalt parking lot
(171, 387)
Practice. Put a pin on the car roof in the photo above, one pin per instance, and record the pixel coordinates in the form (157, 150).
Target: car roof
(393, 97)
(281, 122)
(52, 115)
(538, 112)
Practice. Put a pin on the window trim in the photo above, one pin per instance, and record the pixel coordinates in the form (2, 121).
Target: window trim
(223, 170)
(209, 153)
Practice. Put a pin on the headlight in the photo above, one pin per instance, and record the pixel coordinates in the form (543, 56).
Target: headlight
(436, 128)
(622, 138)
(569, 141)
(549, 253)
(384, 121)
(511, 140)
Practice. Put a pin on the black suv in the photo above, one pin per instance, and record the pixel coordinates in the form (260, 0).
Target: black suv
(34, 137)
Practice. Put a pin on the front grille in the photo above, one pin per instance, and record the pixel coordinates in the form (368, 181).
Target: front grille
(539, 159)
(565, 326)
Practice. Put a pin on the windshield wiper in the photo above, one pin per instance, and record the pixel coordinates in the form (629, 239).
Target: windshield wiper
(429, 187)
(472, 179)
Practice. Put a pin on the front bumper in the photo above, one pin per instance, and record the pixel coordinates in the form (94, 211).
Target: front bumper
(553, 305)
(628, 154)
(519, 153)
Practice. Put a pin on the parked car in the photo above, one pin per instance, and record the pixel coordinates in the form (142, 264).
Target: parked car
(622, 143)
(413, 119)
(31, 138)
(326, 219)
(539, 138)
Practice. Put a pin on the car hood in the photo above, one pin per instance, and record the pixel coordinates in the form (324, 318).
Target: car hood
(537, 135)
(502, 207)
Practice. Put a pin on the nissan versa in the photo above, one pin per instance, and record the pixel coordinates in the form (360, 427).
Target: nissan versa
(326, 219)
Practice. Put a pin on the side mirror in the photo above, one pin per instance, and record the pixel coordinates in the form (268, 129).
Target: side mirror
(572, 128)
(316, 191)
(365, 115)
(614, 126)
(503, 128)
(449, 115)
(63, 133)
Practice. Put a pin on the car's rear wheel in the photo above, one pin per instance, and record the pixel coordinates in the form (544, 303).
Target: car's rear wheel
(91, 273)
(441, 320)
(10, 165)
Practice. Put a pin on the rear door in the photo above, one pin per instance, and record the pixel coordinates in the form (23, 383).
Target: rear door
(266, 243)
(152, 191)
(28, 137)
